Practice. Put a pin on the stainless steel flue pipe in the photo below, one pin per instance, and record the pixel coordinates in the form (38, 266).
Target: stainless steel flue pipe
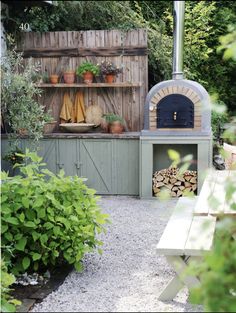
(178, 40)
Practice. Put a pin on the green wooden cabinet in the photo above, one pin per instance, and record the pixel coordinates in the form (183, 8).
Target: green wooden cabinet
(111, 166)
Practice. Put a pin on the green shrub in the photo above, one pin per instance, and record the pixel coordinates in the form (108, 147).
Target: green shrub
(46, 218)
(8, 304)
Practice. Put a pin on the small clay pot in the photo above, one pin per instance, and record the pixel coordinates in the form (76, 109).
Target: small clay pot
(88, 77)
(104, 125)
(54, 79)
(116, 127)
(110, 78)
(69, 77)
(23, 131)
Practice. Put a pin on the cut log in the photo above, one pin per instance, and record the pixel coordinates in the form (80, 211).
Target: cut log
(156, 190)
(173, 180)
(178, 183)
(179, 193)
(193, 180)
(166, 180)
(159, 178)
(187, 177)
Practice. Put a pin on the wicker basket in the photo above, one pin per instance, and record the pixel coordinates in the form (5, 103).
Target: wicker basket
(49, 127)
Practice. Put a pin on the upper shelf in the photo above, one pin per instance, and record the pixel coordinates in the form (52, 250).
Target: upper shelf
(92, 85)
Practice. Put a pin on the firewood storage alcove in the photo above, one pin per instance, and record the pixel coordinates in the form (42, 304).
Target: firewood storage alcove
(154, 157)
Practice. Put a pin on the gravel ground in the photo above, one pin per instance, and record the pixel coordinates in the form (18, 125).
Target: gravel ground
(129, 276)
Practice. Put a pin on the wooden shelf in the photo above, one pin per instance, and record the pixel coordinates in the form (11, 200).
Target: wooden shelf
(92, 85)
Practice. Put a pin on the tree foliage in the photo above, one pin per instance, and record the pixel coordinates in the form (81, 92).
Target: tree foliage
(217, 289)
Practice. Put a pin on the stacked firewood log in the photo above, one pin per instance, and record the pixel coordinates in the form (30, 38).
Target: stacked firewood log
(176, 183)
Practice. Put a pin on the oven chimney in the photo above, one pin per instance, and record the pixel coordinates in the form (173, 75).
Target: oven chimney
(178, 40)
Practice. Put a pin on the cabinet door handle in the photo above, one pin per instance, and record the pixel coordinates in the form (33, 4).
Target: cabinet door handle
(78, 165)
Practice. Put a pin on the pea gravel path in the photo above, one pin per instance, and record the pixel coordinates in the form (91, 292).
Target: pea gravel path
(129, 276)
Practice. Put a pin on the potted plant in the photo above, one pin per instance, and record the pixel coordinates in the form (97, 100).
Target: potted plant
(21, 112)
(69, 76)
(109, 70)
(115, 123)
(87, 70)
(49, 125)
(54, 78)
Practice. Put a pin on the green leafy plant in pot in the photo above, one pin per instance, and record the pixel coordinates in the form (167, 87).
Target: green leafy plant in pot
(115, 123)
(87, 70)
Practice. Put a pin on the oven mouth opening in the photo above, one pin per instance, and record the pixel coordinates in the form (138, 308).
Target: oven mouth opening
(175, 111)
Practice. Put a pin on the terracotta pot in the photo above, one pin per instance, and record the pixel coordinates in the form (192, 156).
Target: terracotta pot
(23, 131)
(116, 128)
(49, 127)
(104, 125)
(88, 77)
(54, 79)
(69, 77)
(110, 78)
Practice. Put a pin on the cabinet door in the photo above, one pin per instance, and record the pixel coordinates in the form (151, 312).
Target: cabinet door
(126, 163)
(46, 148)
(96, 156)
(68, 156)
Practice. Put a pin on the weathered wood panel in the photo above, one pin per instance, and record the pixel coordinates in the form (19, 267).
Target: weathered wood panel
(60, 50)
(74, 52)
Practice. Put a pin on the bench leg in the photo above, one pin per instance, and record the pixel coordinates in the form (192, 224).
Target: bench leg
(171, 289)
(180, 266)
(174, 286)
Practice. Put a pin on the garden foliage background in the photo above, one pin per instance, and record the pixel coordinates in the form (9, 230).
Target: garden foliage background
(205, 22)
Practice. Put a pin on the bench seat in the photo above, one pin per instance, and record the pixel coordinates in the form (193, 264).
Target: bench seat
(185, 236)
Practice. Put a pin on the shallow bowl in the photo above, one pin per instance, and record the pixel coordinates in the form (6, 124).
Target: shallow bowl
(77, 127)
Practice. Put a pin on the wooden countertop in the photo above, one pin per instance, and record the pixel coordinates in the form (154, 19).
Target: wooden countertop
(125, 135)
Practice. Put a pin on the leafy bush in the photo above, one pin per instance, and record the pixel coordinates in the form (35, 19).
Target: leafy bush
(20, 109)
(8, 304)
(47, 218)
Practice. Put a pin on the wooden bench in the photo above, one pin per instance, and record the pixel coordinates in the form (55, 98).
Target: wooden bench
(213, 185)
(185, 238)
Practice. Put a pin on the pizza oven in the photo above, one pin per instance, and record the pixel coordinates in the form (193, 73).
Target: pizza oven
(178, 106)
(177, 116)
